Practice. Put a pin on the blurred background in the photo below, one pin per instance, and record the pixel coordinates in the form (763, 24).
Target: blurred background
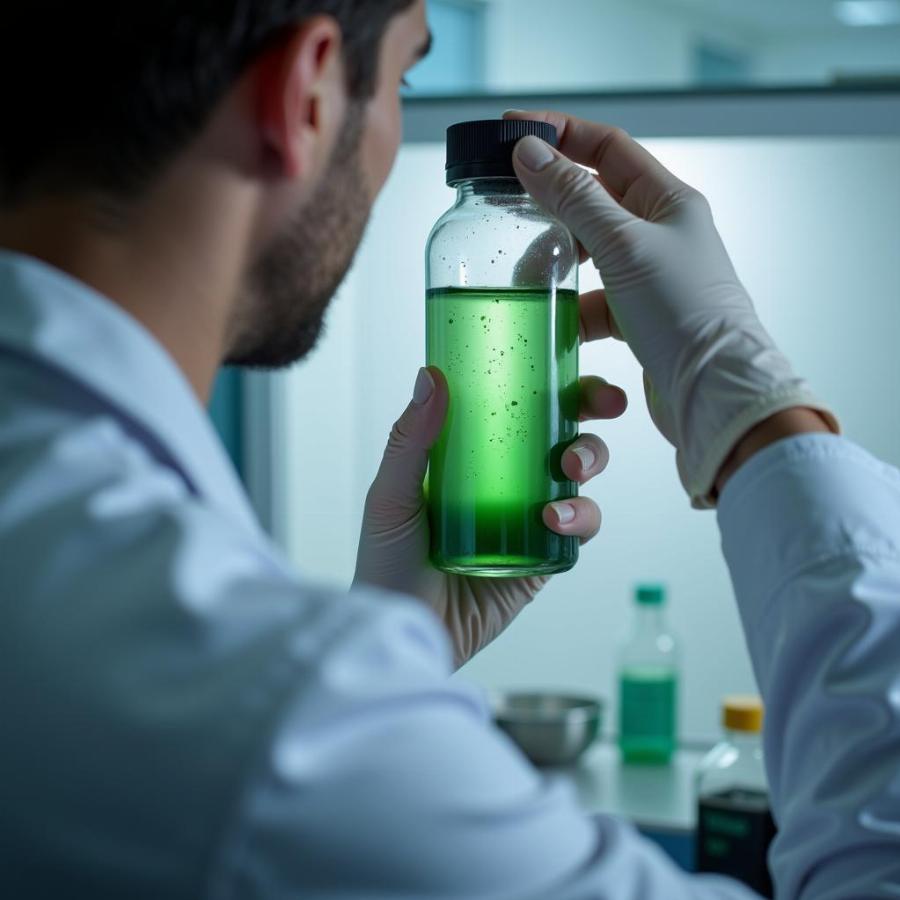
(502, 46)
(787, 115)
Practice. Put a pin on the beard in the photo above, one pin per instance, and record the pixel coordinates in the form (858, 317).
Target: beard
(282, 309)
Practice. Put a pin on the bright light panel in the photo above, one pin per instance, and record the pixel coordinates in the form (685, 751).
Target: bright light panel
(868, 12)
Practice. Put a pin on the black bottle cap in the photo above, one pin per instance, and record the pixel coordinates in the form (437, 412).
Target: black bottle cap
(484, 149)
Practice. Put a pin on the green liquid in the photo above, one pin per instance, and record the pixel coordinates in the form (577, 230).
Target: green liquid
(511, 361)
(647, 714)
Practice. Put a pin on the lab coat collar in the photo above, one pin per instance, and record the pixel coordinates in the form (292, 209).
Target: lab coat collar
(56, 320)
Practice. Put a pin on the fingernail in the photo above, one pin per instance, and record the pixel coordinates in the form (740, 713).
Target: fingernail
(586, 455)
(534, 153)
(565, 512)
(424, 387)
(513, 112)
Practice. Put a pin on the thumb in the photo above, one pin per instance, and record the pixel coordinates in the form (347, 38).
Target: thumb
(397, 488)
(569, 192)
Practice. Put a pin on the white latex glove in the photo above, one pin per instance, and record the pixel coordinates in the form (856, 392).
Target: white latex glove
(394, 542)
(711, 370)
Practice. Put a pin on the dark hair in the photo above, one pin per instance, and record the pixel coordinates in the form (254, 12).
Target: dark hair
(100, 95)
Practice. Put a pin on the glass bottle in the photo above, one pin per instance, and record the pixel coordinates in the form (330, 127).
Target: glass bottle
(502, 325)
(648, 682)
(734, 822)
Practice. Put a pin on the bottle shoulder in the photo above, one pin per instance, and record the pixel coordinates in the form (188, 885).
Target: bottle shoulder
(731, 764)
(527, 218)
(497, 244)
(641, 648)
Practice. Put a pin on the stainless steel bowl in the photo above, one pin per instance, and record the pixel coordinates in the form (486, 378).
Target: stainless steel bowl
(551, 729)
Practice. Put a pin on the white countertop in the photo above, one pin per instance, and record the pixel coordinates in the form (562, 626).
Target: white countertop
(659, 797)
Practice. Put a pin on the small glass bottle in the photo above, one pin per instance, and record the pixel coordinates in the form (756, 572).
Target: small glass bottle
(502, 325)
(734, 822)
(648, 683)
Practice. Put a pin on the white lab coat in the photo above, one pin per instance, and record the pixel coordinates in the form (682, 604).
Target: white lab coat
(184, 716)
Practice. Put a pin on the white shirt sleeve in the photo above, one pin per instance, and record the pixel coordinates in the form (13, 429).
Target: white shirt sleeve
(811, 533)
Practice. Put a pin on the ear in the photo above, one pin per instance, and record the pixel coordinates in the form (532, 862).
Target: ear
(302, 98)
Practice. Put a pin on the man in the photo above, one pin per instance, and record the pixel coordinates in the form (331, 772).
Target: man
(185, 183)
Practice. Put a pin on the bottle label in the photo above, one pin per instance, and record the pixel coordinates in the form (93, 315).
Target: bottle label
(734, 830)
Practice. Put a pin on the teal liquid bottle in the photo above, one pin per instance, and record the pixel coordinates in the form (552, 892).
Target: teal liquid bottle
(502, 325)
(648, 683)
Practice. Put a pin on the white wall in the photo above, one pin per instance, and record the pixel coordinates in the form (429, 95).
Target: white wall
(627, 44)
(820, 57)
(813, 227)
(595, 44)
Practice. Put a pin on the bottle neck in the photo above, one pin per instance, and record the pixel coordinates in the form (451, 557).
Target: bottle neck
(649, 618)
(743, 739)
(472, 188)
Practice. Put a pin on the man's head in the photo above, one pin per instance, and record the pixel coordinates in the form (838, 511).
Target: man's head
(296, 101)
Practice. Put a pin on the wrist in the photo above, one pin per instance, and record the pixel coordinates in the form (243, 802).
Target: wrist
(781, 425)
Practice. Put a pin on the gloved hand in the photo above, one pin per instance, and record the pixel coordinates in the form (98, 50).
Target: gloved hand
(394, 543)
(711, 371)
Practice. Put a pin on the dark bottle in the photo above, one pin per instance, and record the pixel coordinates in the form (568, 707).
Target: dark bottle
(502, 325)
(734, 822)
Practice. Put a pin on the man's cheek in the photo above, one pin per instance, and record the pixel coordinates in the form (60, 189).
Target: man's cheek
(381, 144)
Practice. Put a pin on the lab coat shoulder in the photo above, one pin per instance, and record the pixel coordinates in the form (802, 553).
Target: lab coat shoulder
(154, 646)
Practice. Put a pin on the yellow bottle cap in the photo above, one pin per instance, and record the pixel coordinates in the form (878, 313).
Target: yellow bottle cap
(742, 713)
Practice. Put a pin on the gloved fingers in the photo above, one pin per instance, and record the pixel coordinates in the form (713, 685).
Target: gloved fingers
(616, 157)
(598, 399)
(578, 516)
(596, 318)
(583, 253)
(398, 485)
(571, 194)
(584, 458)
